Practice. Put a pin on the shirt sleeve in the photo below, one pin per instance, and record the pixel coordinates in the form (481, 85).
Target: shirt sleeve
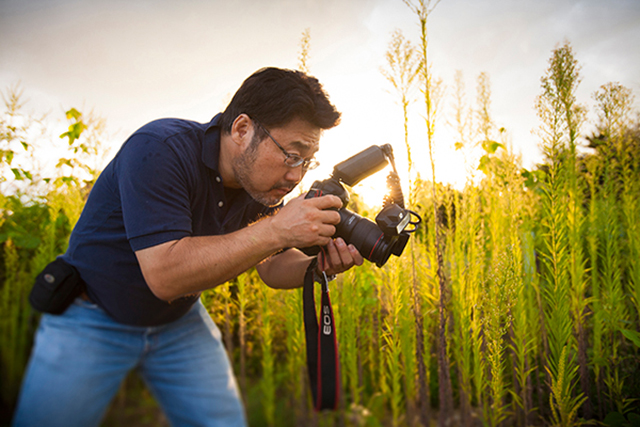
(154, 192)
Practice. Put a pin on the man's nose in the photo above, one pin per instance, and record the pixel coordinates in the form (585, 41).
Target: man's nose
(295, 174)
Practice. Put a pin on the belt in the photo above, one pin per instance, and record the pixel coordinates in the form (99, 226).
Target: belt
(85, 297)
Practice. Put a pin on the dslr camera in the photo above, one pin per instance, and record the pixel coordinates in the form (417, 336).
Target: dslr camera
(389, 234)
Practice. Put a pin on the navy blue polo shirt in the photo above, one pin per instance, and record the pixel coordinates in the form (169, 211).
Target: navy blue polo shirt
(162, 185)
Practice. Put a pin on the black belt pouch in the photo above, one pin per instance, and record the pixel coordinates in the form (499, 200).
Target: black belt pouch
(56, 287)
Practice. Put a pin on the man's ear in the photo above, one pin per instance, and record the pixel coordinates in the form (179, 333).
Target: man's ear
(242, 130)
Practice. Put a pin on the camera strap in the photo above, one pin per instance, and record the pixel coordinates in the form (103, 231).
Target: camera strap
(322, 346)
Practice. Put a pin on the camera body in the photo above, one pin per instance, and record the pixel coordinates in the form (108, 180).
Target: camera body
(376, 241)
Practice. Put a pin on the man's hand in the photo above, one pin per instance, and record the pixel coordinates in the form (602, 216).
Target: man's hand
(337, 257)
(302, 223)
(310, 222)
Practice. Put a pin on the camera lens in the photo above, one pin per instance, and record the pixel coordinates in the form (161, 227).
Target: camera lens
(365, 235)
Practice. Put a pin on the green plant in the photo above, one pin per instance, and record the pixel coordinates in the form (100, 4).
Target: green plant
(564, 268)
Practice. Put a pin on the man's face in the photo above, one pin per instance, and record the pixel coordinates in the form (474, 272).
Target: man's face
(261, 169)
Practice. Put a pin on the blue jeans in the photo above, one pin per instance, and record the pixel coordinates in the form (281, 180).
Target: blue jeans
(81, 357)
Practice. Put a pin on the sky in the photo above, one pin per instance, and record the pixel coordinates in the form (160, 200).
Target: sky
(135, 61)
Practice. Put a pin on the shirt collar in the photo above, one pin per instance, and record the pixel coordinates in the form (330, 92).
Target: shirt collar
(211, 148)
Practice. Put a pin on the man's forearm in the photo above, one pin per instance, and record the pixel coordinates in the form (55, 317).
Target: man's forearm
(193, 264)
(285, 270)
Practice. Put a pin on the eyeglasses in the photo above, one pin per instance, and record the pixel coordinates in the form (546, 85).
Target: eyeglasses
(292, 160)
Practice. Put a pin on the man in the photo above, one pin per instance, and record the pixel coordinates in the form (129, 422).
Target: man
(184, 207)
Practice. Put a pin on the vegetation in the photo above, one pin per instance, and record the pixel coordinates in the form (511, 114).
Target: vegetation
(517, 303)
(37, 213)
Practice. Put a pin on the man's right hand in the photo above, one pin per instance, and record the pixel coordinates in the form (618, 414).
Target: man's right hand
(307, 222)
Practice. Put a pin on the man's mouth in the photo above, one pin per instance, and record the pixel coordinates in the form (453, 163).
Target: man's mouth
(284, 190)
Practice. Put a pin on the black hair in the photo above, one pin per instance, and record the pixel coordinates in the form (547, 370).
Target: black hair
(274, 97)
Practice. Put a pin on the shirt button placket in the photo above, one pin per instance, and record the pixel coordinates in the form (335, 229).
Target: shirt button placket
(219, 180)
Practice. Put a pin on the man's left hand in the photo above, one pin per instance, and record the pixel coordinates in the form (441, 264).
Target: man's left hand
(339, 257)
